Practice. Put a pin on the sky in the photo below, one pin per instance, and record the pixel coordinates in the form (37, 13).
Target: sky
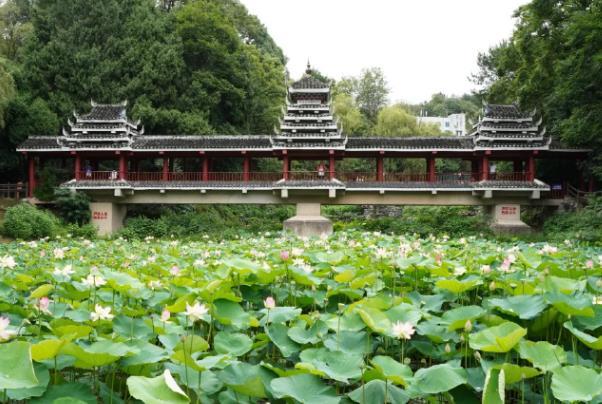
(423, 46)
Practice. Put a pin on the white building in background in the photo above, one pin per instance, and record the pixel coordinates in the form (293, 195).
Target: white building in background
(454, 123)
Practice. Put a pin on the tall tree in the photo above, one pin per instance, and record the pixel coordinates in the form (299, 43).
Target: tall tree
(396, 121)
(553, 62)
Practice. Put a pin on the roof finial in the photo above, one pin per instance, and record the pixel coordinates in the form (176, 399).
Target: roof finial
(308, 71)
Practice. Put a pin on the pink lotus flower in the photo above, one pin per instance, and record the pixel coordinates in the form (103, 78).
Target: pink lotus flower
(284, 255)
(175, 271)
(269, 303)
(165, 315)
(5, 333)
(43, 304)
(589, 264)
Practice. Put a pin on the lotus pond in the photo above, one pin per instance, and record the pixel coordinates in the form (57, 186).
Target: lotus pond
(358, 317)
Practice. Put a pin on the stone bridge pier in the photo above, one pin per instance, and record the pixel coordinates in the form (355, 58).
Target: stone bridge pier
(308, 221)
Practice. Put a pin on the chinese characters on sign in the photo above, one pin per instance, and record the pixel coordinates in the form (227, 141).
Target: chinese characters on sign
(509, 210)
(96, 215)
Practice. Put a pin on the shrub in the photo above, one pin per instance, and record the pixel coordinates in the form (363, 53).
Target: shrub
(73, 207)
(585, 224)
(26, 222)
(48, 181)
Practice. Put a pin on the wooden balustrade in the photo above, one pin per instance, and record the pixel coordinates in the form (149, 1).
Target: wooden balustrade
(348, 176)
(13, 191)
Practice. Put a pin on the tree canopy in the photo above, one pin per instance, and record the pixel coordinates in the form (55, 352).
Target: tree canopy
(553, 62)
(187, 67)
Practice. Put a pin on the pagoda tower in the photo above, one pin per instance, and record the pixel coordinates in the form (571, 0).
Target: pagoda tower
(507, 127)
(308, 121)
(106, 126)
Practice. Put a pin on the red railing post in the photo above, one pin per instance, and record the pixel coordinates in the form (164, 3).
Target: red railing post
(331, 167)
(285, 167)
(78, 167)
(430, 169)
(31, 165)
(123, 168)
(246, 163)
(165, 170)
(484, 168)
(205, 176)
(380, 171)
(531, 168)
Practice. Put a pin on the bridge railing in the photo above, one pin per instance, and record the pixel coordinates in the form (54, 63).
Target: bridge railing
(258, 176)
(13, 191)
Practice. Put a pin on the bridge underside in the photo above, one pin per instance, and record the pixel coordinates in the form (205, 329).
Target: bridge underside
(503, 201)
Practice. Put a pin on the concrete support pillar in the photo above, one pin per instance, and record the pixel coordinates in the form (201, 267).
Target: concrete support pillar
(285, 167)
(246, 164)
(78, 167)
(505, 218)
(31, 171)
(123, 166)
(531, 168)
(484, 168)
(165, 170)
(380, 169)
(107, 217)
(331, 166)
(430, 169)
(308, 222)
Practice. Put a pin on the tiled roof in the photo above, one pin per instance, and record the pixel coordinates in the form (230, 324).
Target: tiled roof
(201, 142)
(40, 143)
(309, 82)
(448, 142)
(106, 112)
(501, 111)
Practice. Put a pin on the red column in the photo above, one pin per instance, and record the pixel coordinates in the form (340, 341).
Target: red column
(246, 163)
(123, 166)
(531, 168)
(331, 168)
(380, 171)
(285, 167)
(430, 169)
(165, 172)
(205, 169)
(31, 166)
(484, 168)
(78, 167)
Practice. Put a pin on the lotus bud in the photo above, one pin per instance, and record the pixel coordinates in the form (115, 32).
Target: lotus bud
(477, 356)
(407, 361)
(468, 326)
(447, 348)
(165, 315)
(341, 307)
(284, 255)
(461, 338)
(492, 286)
(269, 303)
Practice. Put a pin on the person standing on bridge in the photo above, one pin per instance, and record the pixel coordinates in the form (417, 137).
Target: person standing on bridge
(321, 170)
(492, 171)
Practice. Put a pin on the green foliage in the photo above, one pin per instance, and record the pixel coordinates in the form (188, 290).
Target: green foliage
(73, 207)
(585, 224)
(424, 221)
(26, 222)
(48, 181)
(228, 221)
(351, 118)
(396, 121)
(553, 62)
